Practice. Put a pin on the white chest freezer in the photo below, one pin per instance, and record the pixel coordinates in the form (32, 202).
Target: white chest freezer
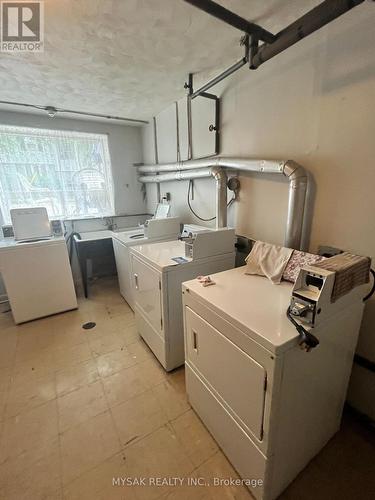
(37, 277)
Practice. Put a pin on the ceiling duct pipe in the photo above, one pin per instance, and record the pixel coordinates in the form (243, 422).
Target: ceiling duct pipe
(221, 186)
(294, 172)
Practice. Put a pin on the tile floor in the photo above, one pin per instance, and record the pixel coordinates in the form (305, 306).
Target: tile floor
(79, 407)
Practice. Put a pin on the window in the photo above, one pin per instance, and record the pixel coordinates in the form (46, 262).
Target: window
(69, 173)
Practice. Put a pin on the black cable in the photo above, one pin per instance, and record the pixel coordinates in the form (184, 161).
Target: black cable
(372, 291)
(198, 216)
(307, 340)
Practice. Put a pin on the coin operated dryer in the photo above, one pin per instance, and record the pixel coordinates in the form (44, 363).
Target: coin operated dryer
(158, 269)
(269, 404)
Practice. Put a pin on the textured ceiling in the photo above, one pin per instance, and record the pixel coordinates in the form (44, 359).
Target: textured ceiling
(130, 57)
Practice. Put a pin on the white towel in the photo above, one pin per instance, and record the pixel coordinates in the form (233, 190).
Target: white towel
(268, 260)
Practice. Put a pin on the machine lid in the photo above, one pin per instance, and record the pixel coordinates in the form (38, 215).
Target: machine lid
(160, 254)
(30, 223)
(251, 303)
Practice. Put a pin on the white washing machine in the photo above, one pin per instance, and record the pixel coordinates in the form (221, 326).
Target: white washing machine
(270, 405)
(35, 268)
(158, 270)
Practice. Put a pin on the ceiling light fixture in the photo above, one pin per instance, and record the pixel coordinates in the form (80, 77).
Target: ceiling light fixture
(52, 112)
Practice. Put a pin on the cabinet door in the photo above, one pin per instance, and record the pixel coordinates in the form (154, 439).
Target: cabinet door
(147, 292)
(235, 376)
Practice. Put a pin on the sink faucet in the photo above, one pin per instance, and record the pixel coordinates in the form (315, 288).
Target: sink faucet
(109, 223)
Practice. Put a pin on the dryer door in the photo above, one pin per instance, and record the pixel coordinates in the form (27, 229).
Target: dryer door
(234, 377)
(146, 283)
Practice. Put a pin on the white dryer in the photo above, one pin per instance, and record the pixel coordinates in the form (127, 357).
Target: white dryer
(158, 270)
(270, 405)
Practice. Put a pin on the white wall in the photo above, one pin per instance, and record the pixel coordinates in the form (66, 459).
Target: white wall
(313, 104)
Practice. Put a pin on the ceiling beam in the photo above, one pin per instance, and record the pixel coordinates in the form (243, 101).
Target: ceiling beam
(229, 17)
(316, 18)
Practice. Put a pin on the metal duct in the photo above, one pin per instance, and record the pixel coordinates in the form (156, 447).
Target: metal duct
(293, 171)
(221, 186)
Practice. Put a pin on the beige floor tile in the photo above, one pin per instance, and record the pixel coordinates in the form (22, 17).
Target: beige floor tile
(3, 399)
(87, 445)
(80, 405)
(172, 399)
(5, 374)
(194, 437)
(189, 491)
(113, 362)
(29, 393)
(120, 322)
(138, 417)
(70, 356)
(157, 455)
(70, 337)
(130, 334)
(106, 343)
(103, 328)
(40, 365)
(119, 309)
(32, 346)
(77, 376)
(177, 379)
(216, 468)
(8, 350)
(97, 483)
(39, 480)
(123, 385)
(140, 351)
(31, 432)
(152, 372)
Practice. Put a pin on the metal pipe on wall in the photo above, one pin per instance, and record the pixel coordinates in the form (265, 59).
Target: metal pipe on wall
(221, 186)
(220, 77)
(294, 172)
(156, 152)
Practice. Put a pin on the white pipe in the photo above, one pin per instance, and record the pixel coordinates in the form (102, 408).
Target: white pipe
(221, 186)
(177, 176)
(295, 173)
(250, 165)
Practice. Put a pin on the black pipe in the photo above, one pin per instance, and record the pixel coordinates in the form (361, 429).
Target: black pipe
(219, 78)
(233, 19)
(312, 21)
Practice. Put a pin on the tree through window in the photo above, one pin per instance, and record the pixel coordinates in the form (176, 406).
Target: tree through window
(69, 173)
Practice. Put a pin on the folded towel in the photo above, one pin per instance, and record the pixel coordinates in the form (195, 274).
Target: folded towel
(268, 260)
(298, 260)
(351, 271)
